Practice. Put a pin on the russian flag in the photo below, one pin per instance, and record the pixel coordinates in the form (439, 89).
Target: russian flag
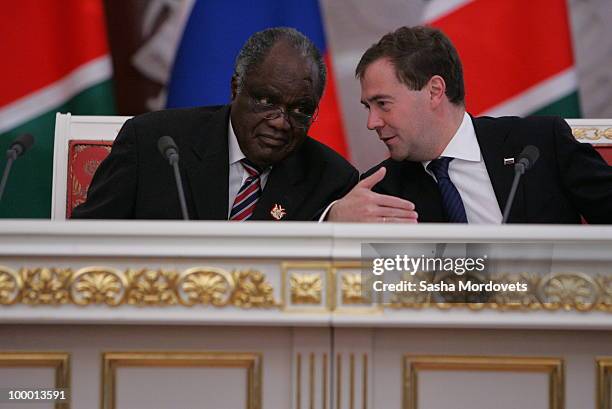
(213, 36)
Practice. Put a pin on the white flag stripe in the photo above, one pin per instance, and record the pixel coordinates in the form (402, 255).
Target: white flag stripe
(538, 96)
(51, 96)
(436, 9)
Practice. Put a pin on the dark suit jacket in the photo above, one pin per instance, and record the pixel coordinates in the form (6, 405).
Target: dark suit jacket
(136, 182)
(569, 179)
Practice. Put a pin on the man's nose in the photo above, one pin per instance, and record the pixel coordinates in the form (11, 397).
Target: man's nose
(374, 120)
(280, 120)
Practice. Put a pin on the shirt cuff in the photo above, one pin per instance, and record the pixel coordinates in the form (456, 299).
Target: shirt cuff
(324, 215)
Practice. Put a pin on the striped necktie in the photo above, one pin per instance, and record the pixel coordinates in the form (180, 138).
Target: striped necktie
(248, 195)
(451, 199)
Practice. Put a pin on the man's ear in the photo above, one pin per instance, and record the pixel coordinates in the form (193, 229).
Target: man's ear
(234, 86)
(437, 90)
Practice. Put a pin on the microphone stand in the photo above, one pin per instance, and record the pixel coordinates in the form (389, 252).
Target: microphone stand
(11, 155)
(519, 170)
(173, 159)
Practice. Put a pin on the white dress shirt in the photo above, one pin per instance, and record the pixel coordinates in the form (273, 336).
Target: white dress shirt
(469, 174)
(237, 172)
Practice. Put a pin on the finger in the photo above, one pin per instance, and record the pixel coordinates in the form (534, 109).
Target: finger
(373, 179)
(393, 212)
(397, 220)
(392, 201)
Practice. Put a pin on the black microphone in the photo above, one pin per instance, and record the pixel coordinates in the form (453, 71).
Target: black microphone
(19, 146)
(168, 149)
(527, 159)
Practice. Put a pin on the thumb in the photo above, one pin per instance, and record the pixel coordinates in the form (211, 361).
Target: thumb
(373, 179)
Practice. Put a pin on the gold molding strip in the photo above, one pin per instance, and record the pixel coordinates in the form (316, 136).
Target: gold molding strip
(365, 381)
(298, 380)
(598, 135)
(60, 361)
(249, 289)
(604, 382)
(324, 382)
(311, 388)
(554, 367)
(339, 381)
(352, 381)
(111, 361)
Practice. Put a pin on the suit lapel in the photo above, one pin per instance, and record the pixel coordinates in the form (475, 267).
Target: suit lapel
(495, 146)
(282, 190)
(208, 171)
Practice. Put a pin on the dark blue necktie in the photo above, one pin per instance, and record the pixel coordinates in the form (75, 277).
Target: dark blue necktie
(451, 199)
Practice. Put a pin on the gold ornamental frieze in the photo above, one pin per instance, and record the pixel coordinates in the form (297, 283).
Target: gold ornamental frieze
(593, 134)
(322, 287)
(206, 286)
(569, 291)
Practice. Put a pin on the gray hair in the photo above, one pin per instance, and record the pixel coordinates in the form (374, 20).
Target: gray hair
(259, 44)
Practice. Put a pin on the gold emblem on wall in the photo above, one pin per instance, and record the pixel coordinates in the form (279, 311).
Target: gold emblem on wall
(353, 290)
(306, 288)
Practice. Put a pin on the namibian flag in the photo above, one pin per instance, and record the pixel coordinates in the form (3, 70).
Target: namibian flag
(55, 58)
(517, 55)
(215, 32)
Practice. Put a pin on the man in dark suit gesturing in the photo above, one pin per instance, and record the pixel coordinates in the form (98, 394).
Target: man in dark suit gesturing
(447, 166)
(250, 160)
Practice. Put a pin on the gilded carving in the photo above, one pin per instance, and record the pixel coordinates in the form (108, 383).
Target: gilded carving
(591, 133)
(10, 286)
(46, 286)
(514, 300)
(251, 290)
(151, 287)
(412, 299)
(353, 289)
(207, 286)
(97, 285)
(306, 288)
(605, 300)
(568, 291)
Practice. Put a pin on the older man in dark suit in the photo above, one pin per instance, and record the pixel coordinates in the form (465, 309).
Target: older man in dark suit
(250, 160)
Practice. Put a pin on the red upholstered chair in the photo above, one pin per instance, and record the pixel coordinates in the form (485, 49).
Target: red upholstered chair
(81, 143)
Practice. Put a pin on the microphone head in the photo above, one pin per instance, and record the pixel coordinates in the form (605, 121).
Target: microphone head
(529, 156)
(22, 143)
(164, 143)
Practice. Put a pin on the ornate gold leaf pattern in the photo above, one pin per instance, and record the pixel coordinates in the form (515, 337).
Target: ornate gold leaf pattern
(306, 288)
(206, 286)
(252, 290)
(515, 300)
(46, 286)
(353, 289)
(605, 300)
(151, 287)
(98, 285)
(249, 289)
(568, 291)
(9, 286)
(412, 299)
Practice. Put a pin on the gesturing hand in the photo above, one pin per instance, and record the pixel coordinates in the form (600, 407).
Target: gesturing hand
(363, 205)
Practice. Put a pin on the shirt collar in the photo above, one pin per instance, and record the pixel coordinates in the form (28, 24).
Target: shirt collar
(463, 145)
(235, 154)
